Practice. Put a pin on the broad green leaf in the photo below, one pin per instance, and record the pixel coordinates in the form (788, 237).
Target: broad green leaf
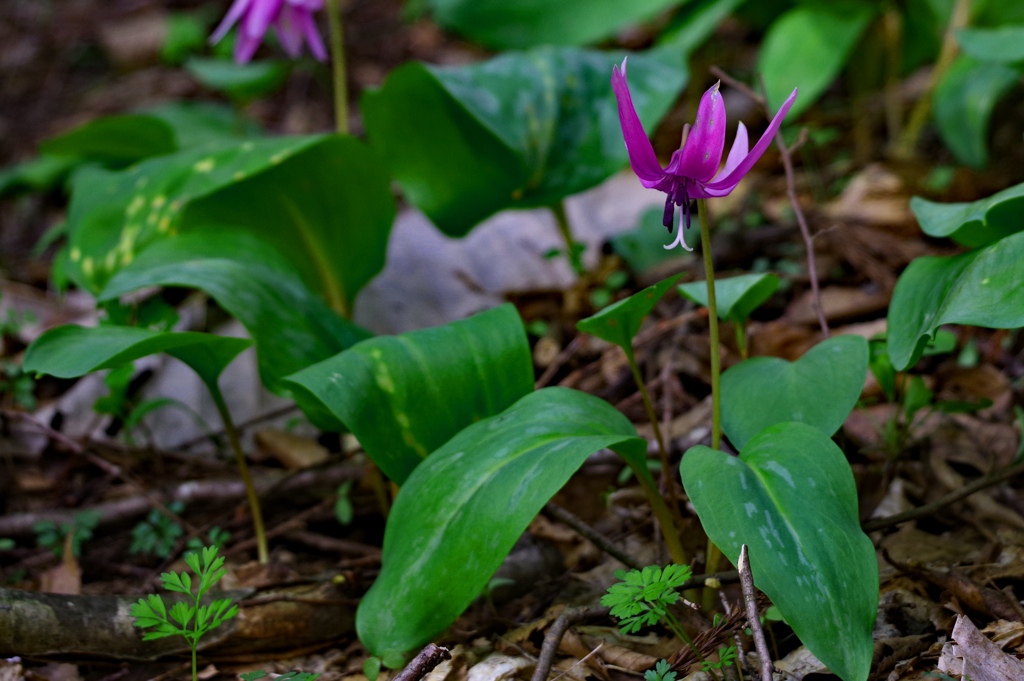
(790, 497)
(113, 215)
(807, 47)
(324, 202)
(70, 351)
(404, 396)
(736, 297)
(1004, 44)
(521, 24)
(198, 123)
(984, 287)
(42, 173)
(819, 389)
(291, 325)
(241, 82)
(964, 100)
(115, 140)
(520, 130)
(619, 322)
(974, 224)
(463, 508)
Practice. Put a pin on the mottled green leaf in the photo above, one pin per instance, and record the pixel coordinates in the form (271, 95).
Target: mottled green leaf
(736, 297)
(404, 396)
(115, 140)
(984, 287)
(70, 351)
(463, 508)
(819, 389)
(791, 498)
(619, 323)
(518, 130)
(974, 224)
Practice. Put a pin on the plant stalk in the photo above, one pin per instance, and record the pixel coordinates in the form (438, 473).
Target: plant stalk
(243, 467)
(195, 673)
(338, 66)
(709, 270)
(922, 109)
(741, 339)
(669, 530)
(713, 554)
(670, 485)
(575, 256)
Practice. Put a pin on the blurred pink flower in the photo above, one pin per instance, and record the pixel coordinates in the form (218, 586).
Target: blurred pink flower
(292, 19)
(693, 172)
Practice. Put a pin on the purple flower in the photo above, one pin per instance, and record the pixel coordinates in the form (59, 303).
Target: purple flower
(292, 19)
(693, 171)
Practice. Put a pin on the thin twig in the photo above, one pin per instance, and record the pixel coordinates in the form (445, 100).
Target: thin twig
(937, 505)
(553, 638)
(753, 618)
(571, 349)
(424, 663)
(787, 163)
(588, 532)
(701, 581)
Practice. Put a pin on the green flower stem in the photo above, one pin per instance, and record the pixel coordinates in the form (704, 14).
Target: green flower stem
(243, 467)
(575, 256)
(669, 531)
(741, 338)
(338, 66)
(670, 485)
(681, 634)
(713, 553)
(195, 673)
(716, 392)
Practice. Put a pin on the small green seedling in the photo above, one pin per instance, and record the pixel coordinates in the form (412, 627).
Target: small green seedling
(157, 534)
(6, 544)
(215, 537)
(643, 597)
(343, 509)
(726, 656)
(660, 672)
(51, 536)
(151, 611)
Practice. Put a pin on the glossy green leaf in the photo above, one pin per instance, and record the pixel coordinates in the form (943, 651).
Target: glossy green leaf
(791, 498)
(115, 140)
(819, 389)
(241, 82)
(736, 297)
(619, 323)
(882, 368)
(70, 351)
(291, 325)
(984, 287)
(964, 100)
(462, 509)
(974, 224)
(114, 214)
(518, 130)
(197, 123)
(807, 47)
(1004, 45)
(323, 201)
(404, 396)
(505, 24)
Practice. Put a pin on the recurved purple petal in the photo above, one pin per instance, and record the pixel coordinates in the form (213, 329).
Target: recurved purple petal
(289, 31)
(740, 147)
(245, 47)
(316, 43)
(238, 8)
(733, 178)
(259, 17)
(641, 153)
(702, 152)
